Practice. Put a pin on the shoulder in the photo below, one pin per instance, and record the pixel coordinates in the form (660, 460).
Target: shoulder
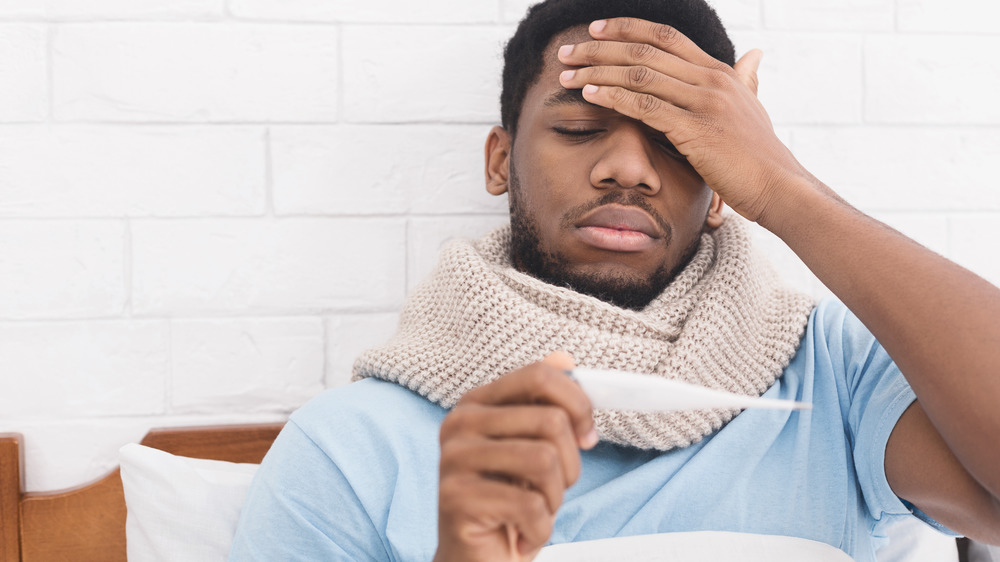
(372, 410)
(834, 327)
(359, 398)
(832, 316)
(837, 345)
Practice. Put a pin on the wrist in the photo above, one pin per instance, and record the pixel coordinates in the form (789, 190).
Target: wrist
(794, 202)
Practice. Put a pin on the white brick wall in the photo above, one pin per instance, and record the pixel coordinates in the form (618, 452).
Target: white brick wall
(920, 79)
(194, 72)
(208, 208)
(68, 10)
(76, 171)
(24, 94)
(379, 169)
(61, 269)
(398, 73)
(235, 365)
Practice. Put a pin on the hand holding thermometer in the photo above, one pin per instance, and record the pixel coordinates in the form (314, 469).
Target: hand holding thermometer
(620, 390)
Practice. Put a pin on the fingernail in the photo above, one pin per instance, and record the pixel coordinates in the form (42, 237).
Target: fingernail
(565, 50)
(567, 75)
(590, 89)
(598, 26)
(591, 439)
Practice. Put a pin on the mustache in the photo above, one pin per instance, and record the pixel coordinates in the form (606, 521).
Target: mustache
(625, 198)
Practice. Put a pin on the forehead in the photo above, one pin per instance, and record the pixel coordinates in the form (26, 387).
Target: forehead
(546, 92)
(548, 80)
(572, 35)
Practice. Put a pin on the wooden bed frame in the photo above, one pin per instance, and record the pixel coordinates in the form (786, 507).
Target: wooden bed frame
(87, 523)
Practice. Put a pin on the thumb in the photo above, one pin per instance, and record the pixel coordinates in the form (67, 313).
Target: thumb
(560, 360)
(746, 68)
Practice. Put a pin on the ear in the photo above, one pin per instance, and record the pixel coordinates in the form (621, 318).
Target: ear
(497, 160)
(714, 218)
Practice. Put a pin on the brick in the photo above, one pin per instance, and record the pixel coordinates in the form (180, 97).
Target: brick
(738, 14)
(90, 369)
(427, 236)
(67, 269)
(195, 72)
(905, 168)
(931, 79)
(111, 9)
(960, 16)
(383, 11)
(113, 171)
(24, 94)
(289, 266)
(973, 243)
(233, 365)
(420, 74)
(380, 169)
(825, 15)
(795, 89)
(348, 335)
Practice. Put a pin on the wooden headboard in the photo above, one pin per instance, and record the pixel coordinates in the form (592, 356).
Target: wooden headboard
(87, 523)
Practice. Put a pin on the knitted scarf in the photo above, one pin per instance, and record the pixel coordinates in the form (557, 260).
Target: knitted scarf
(724, 322)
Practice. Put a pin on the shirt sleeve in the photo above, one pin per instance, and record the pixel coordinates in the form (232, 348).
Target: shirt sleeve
(301, 507)
(876, 395)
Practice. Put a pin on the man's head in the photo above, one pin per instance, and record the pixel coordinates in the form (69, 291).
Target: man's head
(523, 56)
(599, 202)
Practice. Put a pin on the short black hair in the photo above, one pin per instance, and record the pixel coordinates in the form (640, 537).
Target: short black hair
(523, 60)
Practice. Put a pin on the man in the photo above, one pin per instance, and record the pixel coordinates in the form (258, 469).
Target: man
(621, 139)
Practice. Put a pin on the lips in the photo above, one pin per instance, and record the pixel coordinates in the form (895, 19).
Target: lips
(620, 229)
(617, 217)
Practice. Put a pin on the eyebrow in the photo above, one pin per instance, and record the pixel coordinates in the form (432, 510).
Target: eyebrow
(566, 97)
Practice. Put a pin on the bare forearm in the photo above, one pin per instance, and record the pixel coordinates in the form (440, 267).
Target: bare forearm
(938, 321)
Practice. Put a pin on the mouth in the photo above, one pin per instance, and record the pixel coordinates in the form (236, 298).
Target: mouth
(619, 229)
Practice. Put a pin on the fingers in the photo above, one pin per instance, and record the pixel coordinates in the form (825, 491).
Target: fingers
(520, 514)
(663, 37)
(649, 109)
(549, 425)
(634, 78)
(612, 53)
(509, 451)
(544, 383)
(526, 464)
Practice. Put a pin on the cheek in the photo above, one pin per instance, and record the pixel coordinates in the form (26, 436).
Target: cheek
(689, 186)
(547, 185)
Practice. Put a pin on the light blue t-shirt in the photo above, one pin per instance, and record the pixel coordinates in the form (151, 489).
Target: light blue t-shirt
(353, 476)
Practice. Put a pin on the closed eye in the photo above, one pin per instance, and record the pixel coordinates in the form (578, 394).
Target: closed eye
(577, 133)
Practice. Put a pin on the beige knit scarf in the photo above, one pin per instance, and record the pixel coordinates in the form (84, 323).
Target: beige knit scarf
(724, 322)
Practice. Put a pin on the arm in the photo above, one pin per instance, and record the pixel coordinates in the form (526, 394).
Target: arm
(939, 322)
(941, 325)
(509, 450)
(300, 506)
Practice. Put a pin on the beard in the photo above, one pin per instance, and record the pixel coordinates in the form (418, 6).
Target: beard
(625, 291)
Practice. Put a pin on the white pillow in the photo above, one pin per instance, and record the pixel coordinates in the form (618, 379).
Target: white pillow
(180, 509)
(912, 540)
(696, 546)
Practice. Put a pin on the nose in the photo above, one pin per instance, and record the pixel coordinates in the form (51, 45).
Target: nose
(627, 160)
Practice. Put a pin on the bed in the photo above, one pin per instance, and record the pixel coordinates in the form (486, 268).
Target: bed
(87, 523)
